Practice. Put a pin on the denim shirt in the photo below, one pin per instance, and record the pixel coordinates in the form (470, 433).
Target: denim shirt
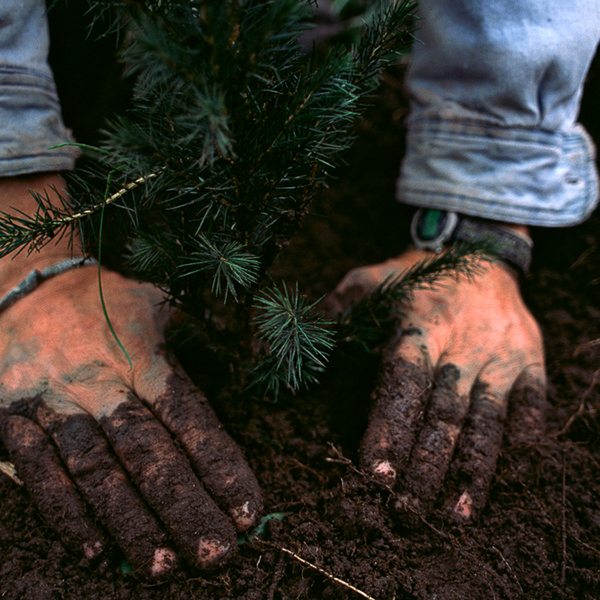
(495, 91)
(30, 117)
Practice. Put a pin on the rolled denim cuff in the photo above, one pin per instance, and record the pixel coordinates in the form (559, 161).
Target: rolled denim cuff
(31, 124)
(530, 177)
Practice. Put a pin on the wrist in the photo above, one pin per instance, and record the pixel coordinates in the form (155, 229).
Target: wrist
(522, 230)
(16, 199)
(434, 229)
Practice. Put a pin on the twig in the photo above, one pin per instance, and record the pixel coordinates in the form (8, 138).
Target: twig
(89, 211)
(582, 258)
(318, 475)
(510, 569)
(563, 572)
(581, 408)
(586, 346)
(320, 570)
(9, 470)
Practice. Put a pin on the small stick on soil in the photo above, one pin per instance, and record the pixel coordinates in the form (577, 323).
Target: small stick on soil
(581, 408)
(510, 569)
(563, 572)
(9, 470)
(279, 570)
(320, 570)
(303, 466)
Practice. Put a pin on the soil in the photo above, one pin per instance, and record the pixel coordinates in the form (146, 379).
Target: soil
(332, 532)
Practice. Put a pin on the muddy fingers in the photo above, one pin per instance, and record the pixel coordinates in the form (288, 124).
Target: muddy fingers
(473, 467)
(528, 404)
(49, 484)
(216, 458)
(436, 441)
(105, 485)
(166, 480)
(399, 402)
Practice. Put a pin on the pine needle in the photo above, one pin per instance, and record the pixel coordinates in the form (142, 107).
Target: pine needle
(104, 310)
(299, 338)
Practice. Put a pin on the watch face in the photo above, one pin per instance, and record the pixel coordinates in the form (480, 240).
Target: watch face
(431, 223)
(432, 228)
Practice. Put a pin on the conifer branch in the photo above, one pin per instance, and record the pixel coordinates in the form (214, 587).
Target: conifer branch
(299, 339)
(370, 320)
(22, 230)
(231, 129)
(231, 265)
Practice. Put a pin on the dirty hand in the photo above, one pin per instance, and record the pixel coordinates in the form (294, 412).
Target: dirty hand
(467, 357)
(139, 449)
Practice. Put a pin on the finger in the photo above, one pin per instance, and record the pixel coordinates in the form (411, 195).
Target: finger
(166, 480)
(217, 459)
(437, 439)
(399, 401)
(102, 481)
(39, 466)
(353, 287)
(473, 467)
(528, 405)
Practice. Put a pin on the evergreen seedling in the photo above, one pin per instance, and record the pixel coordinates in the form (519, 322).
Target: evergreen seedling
(232, 128)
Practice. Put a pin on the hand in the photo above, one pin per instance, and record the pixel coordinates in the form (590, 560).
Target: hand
(466, 352)
(92, 438)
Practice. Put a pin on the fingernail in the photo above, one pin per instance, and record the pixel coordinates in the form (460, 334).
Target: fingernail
(464, 505)
(164, 560)
(211, 552)
(91, 550)
(384, 470)
(243, 516)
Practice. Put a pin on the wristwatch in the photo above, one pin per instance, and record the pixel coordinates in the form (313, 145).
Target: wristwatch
(433, 229)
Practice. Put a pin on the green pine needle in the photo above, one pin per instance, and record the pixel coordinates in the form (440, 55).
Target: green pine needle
(230, 263)
(104, 310)
(299, 338)
(370, 320)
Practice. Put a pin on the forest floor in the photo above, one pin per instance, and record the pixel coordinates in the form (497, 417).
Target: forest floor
(334, 535)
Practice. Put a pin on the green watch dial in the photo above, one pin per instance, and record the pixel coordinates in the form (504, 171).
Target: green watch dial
(431, 224)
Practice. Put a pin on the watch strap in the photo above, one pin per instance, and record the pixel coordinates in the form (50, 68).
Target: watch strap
(432, 229)
(509, 246)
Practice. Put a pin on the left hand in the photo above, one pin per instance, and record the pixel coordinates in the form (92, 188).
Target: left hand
(138, 450)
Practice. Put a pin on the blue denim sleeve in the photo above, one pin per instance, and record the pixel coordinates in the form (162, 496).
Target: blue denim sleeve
(30, 117)
(495, 91)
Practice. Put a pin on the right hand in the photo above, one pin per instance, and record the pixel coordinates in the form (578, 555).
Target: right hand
(141, 451)
(464, 350)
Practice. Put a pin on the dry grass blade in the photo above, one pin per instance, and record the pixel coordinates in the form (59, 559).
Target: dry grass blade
(327, 574)
(9, 470)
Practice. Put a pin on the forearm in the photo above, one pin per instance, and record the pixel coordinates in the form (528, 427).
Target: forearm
(16, 197)
(30, 127)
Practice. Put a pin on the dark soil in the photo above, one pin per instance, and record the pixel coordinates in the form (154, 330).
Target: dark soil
(333, 534)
